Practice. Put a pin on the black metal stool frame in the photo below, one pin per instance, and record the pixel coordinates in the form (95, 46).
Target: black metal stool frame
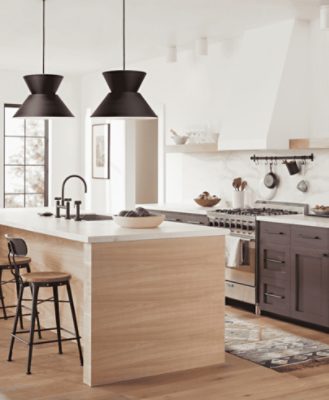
(15, 281)
(35, 286)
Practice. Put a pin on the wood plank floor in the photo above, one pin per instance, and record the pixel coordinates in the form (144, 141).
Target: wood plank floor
(59, 377)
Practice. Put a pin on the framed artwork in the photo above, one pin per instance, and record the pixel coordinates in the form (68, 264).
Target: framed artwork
(101, 151)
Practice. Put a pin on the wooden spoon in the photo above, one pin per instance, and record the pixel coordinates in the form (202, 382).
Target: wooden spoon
(238, 183)
(243, 185)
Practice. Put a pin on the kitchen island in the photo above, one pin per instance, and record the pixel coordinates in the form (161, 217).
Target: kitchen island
(149, 301)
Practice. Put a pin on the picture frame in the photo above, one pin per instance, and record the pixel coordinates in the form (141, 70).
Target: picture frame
(101, 135)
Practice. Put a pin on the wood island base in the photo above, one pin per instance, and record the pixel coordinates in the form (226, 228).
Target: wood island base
(145, 307)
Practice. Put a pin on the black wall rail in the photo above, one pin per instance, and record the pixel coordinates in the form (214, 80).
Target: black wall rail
(277, 158)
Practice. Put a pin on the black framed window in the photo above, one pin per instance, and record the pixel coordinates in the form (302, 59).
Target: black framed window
(25, 160)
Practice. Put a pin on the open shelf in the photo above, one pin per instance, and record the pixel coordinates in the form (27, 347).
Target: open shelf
(193, 148)
(312, 143)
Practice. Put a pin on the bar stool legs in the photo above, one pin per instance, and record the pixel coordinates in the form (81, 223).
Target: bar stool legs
(35, 291)
(2, 298)
(74, 317)
(58, 321)
(34, 319)
(13, 335)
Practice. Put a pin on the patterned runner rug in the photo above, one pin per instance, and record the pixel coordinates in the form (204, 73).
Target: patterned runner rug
(272, 348)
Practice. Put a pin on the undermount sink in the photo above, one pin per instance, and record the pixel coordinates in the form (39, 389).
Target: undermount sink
(95, 217)
(91, 217)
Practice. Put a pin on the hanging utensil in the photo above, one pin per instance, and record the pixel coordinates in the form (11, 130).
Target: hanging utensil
(271, 180)
(292, 167)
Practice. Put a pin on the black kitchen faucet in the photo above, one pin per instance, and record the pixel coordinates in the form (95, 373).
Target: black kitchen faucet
(62, 202)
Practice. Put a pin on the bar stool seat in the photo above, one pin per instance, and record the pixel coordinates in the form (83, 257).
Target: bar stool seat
(45, 277)
(4, 262)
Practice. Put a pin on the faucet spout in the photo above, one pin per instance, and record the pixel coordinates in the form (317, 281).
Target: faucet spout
(64, 183)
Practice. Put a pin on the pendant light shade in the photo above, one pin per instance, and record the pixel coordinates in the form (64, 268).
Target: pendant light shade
(43, 102)
(124, 101)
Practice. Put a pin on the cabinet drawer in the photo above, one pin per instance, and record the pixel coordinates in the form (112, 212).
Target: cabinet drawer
(274, 261)
(275, 296)
(240, 292)
(271, 232)
(309, 237)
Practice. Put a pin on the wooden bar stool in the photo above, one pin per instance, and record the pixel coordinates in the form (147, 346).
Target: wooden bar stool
(37, 280)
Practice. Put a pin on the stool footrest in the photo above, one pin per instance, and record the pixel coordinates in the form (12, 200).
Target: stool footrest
(44, 341)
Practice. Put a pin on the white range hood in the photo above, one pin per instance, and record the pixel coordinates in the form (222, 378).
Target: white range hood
(269, 100)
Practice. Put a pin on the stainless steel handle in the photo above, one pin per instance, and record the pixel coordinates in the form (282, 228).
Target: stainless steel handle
(309, 237)
(193, 222)
(276, 233)
(273, 260)
(275, 296)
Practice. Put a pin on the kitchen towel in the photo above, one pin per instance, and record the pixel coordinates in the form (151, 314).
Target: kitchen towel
(232, 251)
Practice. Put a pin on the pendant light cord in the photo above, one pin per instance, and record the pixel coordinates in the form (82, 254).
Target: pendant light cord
(43, 34)
(124, 32)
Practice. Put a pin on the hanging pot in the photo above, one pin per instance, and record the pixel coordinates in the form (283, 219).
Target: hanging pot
(271, 180)
(292, 167)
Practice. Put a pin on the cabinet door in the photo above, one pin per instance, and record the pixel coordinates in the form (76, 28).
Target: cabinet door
(309, 285)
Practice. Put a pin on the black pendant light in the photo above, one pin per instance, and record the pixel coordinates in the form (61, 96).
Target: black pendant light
(43, 102)
(124, 101)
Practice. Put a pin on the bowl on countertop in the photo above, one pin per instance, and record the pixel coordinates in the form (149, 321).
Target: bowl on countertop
(152, 221)
(319, 211)
(207, 202)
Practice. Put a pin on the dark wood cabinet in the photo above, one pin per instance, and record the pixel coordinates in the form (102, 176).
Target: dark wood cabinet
(293, 268)
(274, 261)
(275, 296)
(310, 286)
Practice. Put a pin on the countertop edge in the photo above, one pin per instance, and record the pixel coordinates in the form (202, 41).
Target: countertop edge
(298, 219)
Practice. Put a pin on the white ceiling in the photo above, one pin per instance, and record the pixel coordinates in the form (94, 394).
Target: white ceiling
(85, 35)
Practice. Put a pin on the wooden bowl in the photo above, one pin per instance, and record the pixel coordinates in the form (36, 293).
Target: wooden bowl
(319, 211)
(152, 221)
(207, 202)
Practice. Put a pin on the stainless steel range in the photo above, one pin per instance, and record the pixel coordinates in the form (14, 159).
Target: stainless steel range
(240, 279)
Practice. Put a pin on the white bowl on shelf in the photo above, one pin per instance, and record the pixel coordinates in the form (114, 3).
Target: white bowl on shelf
(151, 221)
(179, 139)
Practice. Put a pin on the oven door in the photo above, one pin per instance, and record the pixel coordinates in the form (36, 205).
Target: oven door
(240, 280)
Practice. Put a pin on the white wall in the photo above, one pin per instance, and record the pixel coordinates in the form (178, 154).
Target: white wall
(65, 140)
(194, 94)
(118, 192)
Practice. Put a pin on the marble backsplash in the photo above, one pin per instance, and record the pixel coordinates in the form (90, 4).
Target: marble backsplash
(215, 172)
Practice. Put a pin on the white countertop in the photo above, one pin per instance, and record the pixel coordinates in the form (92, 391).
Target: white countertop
(190, 208)
(98, 231)
(298, 219)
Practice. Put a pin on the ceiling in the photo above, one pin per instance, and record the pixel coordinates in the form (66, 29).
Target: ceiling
(85, 35)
